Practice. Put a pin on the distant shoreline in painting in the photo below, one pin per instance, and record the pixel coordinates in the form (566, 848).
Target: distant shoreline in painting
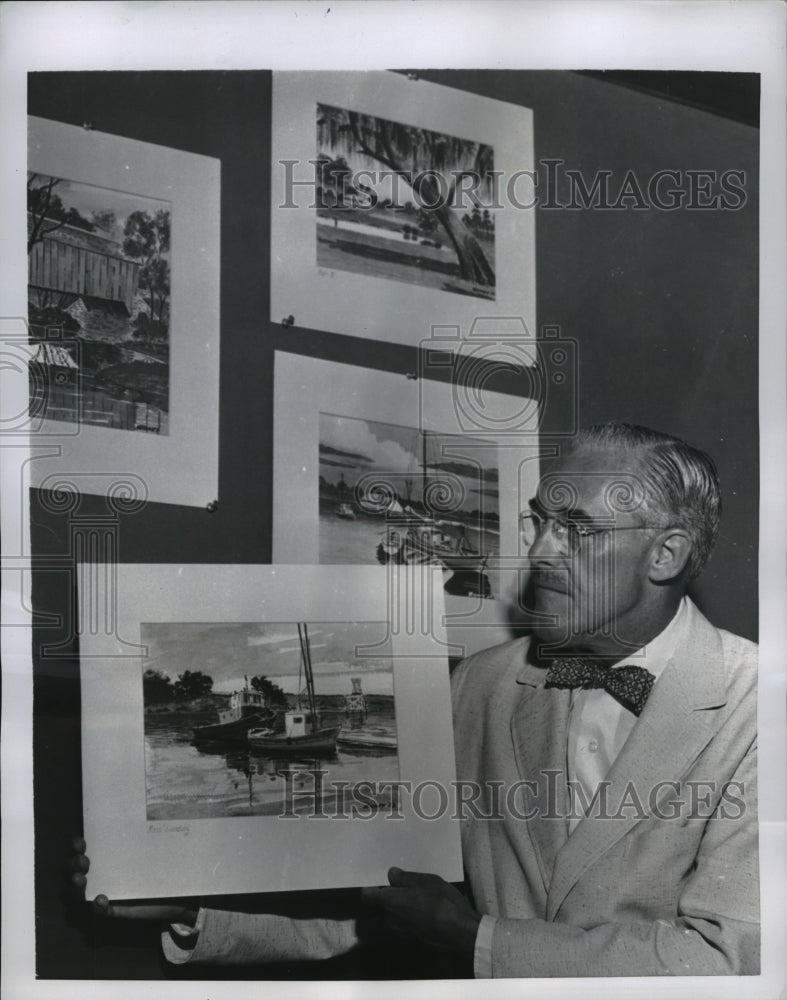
(98, 305)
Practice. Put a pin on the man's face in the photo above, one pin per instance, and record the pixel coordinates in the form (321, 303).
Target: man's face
(592, 587)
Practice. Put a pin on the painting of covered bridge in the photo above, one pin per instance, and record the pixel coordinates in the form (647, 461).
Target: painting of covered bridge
(98, 305)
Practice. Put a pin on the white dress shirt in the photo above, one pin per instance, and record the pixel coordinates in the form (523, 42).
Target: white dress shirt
(599, 725)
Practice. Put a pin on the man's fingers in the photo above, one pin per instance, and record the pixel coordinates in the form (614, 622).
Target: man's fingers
(103, 908)
(393, 900)
(397, 906)
(80, 863)
(78, 845)
(415, 880)
(373, 895)
(76, 869)
(118, 910)
(166, 911)
(388, 901)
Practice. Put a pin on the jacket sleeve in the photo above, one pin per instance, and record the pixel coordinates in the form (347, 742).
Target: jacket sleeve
(714, 932)
(289, 928)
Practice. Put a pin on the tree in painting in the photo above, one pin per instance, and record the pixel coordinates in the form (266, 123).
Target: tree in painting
(433, 164)
(146, 239)
(156, 687)
(273, 693)
(47, 211)
(192, 684)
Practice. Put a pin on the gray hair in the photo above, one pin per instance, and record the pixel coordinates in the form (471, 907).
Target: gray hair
(680, 483)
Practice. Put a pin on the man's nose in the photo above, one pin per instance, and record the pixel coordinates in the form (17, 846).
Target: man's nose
(545, 546)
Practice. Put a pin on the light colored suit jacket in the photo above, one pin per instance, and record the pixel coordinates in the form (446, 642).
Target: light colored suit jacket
(628, 894)
(664, 878)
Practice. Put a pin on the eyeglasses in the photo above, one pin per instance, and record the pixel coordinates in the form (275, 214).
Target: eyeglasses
(568, 535)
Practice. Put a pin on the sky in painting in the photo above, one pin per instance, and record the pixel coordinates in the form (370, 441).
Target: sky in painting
(228, 651)
(353, 448)
(88, 198)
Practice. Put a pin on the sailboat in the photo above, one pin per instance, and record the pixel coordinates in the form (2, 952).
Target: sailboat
(412, 537)
(302, 727)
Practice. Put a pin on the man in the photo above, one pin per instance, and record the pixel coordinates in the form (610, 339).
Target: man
(613, 753)
(661, 877)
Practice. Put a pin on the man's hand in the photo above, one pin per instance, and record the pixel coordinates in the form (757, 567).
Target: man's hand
(164, 911)
(427, 907)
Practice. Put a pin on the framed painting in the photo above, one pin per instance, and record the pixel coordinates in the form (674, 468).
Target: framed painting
(390, 212)
(123, 315)
(259, 700)
(371, 467)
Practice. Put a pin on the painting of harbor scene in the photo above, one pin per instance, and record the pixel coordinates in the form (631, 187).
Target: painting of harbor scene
(392, 494)
(98, 305)
(239, 717)
(405, 203)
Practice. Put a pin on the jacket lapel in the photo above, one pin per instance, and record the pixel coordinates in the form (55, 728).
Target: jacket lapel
(539, 732)
(668, 737)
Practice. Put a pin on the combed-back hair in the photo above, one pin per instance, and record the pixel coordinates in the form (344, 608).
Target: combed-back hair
(680, 484)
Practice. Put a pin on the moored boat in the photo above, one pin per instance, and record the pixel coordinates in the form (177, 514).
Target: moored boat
(303, 730)
(300, 733)
(246, 710)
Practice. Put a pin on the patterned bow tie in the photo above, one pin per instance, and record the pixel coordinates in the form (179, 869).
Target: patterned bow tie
(629, 685)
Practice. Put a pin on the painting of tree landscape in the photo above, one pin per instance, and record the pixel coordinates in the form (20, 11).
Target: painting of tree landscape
(420, 212)
(98, 305)
(395, 494)
(196, 674)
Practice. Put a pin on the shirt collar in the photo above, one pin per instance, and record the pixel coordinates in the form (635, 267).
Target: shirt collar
(656, 654)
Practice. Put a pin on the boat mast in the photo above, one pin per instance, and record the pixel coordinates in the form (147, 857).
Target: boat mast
(303, 636)
(300, 671)
(425, 475)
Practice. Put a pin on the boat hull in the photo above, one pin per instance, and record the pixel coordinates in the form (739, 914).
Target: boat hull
(235, 730)
(323, 741)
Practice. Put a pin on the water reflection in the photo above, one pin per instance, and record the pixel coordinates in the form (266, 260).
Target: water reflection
(185, 780)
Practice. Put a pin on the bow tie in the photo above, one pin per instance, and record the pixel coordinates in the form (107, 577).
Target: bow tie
(629, 685)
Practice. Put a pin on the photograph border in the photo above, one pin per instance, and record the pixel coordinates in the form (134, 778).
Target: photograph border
(396, 312)
(608, 33)
(180, 467)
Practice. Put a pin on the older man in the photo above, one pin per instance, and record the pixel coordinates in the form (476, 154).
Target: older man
(612, 754)
(658, 873)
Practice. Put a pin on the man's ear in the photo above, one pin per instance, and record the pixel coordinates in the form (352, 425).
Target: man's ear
(669, 555)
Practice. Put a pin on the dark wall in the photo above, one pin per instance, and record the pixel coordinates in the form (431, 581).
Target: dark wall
(662, 306)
